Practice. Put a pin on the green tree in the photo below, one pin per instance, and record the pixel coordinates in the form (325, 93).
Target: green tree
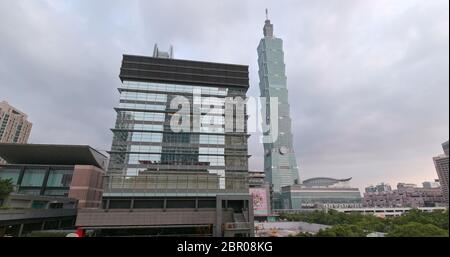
(342, 231)
(6, 187)
(437, 218)
(414, 229)
(356, 224)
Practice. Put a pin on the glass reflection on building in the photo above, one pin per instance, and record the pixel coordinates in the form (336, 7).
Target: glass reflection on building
(144, 141)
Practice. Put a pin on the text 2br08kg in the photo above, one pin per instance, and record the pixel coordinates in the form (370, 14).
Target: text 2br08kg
(246, 247)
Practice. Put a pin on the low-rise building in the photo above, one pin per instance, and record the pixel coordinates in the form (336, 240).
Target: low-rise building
(321, 193)
(406, 195)
(431, 184)
(51, 183)
(388, 212)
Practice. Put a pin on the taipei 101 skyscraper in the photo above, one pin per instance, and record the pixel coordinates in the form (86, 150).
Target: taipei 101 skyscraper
(280, 165)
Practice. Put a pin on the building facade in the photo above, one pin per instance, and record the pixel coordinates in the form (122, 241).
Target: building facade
(144, 140)
(406, 195)
(51, 182)
(280, 163)
(321, 193)
(175, 166)
(442, 165)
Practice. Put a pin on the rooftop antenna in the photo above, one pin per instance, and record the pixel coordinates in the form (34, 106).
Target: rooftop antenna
(268, 27)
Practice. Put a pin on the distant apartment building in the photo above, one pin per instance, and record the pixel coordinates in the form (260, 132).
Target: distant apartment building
(321, 193)
(442, 165)
(431, 184)
(382, 187)
(14, 126)
(406, 195)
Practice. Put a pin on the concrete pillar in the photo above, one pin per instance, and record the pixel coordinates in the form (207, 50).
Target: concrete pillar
(132, 204)
(251, 219)
(218, 225)
(20, 230)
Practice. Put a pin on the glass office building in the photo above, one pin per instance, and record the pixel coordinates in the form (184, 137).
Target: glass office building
(144, 140)
(321, 193)
(280, 163)
(175, 164)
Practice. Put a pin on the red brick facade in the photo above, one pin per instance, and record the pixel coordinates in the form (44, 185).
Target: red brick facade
(87, 186)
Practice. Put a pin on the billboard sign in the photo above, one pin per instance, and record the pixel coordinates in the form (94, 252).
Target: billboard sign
(260, 201)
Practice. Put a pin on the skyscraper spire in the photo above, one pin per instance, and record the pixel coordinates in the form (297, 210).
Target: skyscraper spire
(268, 27)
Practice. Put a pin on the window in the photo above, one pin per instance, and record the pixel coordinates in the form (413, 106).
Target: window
(177, 138)
(142, 116)
(151, 107)
(39, 204)
(10, 173)
(212, 139)
(59, 178)
(137, 96)
(119, 204)
(216, 151)
(148, 127)
(143, 158)
(145, 149)
(148, 204)
(207, 204)
(212, 160)
(33, 177)
(180, 203)
(160, 87)
(146, 137)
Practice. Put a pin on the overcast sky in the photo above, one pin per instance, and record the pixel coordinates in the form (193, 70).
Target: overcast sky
(368, 80)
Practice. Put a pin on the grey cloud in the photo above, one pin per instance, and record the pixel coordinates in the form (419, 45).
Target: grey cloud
(368, 80)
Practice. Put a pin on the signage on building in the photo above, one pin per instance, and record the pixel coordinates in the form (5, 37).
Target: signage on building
(260, 201)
